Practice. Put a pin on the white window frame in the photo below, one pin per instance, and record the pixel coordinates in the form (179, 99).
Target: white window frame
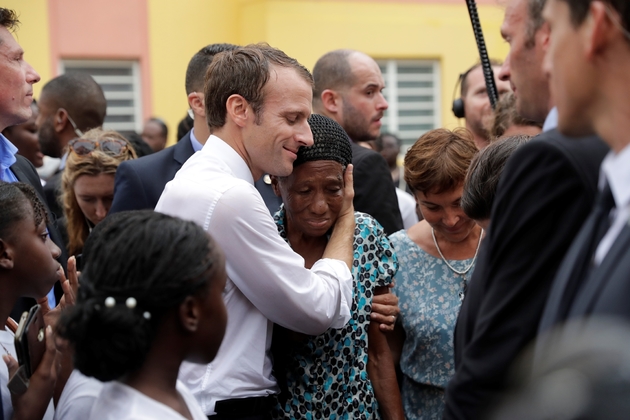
(391, 92)
(135, 81)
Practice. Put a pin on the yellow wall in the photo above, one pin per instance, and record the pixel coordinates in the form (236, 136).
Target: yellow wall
(177, 30)
(306, 29)
(32, 35)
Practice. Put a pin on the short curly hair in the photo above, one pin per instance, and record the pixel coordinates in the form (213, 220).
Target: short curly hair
(8, 19)
(438, 160)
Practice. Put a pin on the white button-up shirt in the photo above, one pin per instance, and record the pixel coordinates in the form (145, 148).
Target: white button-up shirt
(616, 169)
(267, 282)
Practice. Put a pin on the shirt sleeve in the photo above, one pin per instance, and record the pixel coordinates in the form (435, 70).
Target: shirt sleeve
(270, 274)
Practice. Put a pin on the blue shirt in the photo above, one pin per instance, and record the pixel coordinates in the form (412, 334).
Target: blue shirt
(195, 143)
(7, 158)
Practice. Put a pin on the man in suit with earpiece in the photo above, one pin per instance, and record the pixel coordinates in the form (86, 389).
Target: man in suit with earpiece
(474, 104)
(69, 105)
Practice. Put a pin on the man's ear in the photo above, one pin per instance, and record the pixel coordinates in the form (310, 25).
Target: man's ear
(60, 120)
(544, 36)
(196, 103)
(238, 110)
(275, 185)
(189, 314)
(331, 101)
(599, 29)
(6, 255)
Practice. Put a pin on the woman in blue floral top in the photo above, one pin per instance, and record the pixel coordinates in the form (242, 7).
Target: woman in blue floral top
(436, 257)
(334, 375)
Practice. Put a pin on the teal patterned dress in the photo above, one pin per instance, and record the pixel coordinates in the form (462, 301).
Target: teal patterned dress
(325, 376)
(429, 296)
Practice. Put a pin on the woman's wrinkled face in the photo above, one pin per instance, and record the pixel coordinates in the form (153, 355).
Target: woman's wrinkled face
(94, 194)
(444, 213)
(313, 196)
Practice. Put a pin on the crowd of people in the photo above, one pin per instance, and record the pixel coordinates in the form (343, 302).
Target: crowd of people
(278, 261)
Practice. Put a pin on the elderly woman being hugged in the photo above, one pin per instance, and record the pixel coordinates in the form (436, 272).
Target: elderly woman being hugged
(436, 257)
(343, 373)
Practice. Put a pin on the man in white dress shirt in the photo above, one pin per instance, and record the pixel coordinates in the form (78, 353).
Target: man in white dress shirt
(257, 103)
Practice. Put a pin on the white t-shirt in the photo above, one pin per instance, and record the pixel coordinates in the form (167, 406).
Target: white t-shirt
(78, 397)
(118, 401)
(407, 205)
(7, 339)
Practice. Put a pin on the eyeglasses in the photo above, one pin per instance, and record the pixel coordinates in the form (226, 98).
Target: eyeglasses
(84, 147)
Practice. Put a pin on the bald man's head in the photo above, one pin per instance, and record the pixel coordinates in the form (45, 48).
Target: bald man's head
(69, 104)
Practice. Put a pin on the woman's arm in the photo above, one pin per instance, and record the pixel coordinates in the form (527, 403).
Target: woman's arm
(381, 371)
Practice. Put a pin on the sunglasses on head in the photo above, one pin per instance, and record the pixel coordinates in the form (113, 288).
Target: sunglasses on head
(83, 147)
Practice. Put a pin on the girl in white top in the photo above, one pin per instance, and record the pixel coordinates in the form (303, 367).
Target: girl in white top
(28, 267)
(150, 298)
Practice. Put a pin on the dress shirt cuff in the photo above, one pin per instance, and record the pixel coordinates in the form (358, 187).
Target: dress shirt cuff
(337, 270)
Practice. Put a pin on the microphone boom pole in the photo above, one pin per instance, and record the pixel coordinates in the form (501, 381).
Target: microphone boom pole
(488, 74)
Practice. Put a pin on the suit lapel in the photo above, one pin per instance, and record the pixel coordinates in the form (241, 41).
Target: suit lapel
(601, 275)
(183, 150)
(565, 285)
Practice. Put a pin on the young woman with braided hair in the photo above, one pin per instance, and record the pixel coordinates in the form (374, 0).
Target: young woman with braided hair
(150, 298)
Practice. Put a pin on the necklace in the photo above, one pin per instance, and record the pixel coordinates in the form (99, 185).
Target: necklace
(446, 262)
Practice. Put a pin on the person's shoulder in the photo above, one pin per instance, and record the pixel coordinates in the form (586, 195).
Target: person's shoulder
(572, 149)
(361, 153)
(149, 162)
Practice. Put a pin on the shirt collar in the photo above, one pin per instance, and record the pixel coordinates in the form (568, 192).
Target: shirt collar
(616, 169)
(62, 162)
(551, 121)
(228, 155)
(196, 145)
(7, 153)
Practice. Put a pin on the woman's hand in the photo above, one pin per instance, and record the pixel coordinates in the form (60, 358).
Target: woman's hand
(34, 402)
(385, 310)
(348, 193)
(70, 287)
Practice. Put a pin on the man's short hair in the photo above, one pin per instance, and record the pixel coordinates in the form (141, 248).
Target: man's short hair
(464, 76)
(199, 63)
(579, 10)
(378, 142)
(482, 179)
(505, 116)
(244, 71)
(332, 71)
(535, 21)
(162, 125)
(8, 19)
(81, 96)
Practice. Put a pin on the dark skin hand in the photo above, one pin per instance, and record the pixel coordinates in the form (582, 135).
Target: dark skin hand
(34, 402)
(70, 288)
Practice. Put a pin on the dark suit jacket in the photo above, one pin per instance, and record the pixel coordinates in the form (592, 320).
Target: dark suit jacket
(139, 183)
(52, 192)
(25, 172)
(374, 191)
(545, 193)
(603, 292)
